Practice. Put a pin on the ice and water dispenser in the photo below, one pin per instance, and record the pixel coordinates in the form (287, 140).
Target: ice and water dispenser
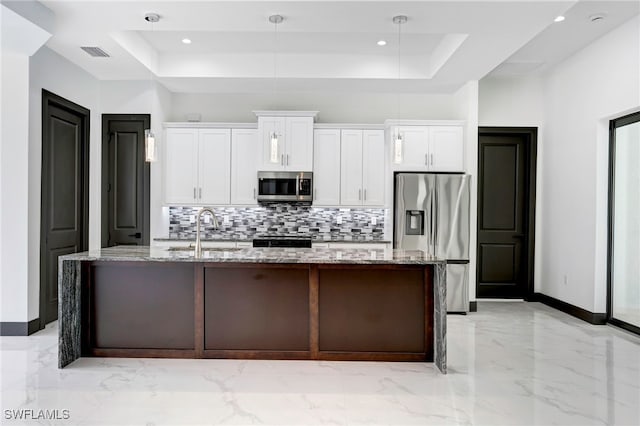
(414, 222)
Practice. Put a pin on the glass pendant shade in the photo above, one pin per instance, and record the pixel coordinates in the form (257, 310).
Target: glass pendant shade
(150, 149)
(397, 148)
(273, 157)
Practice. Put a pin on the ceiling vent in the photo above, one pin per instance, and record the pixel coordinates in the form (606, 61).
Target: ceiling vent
(96, 52)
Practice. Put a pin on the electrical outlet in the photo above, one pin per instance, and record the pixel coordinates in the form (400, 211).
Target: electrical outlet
(374, 220)
(192, 218)
(207, 218)
(338, 254)
(225, 218)
(339, 220)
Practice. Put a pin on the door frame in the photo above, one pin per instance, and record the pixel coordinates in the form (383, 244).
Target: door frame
(613, 125)
(104, 232)
(50, 99)
(531, 139)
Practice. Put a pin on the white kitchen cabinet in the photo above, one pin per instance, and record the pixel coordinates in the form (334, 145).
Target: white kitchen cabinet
(294, 147)
(326, 173)
(436, 148)
(373, 167)
(362, 167)
(446, 149)
(181, 166)
(197, 166)
(243, 166)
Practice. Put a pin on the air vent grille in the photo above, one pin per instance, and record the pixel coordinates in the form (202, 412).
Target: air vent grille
(96, 52)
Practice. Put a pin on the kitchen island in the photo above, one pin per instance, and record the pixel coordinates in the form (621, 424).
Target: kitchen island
(319, 304)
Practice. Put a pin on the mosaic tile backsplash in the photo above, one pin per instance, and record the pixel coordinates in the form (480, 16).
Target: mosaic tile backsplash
(282, 219)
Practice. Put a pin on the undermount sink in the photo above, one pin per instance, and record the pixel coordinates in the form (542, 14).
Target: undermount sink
(205, 248)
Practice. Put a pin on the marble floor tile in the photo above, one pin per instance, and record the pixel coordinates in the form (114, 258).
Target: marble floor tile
(509, 364)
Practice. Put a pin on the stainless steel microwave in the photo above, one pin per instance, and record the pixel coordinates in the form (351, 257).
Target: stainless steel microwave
(285, 186)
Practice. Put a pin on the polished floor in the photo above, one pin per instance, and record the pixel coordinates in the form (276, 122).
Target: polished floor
(509, 364)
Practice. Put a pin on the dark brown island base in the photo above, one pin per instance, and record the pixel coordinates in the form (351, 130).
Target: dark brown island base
(317, 304)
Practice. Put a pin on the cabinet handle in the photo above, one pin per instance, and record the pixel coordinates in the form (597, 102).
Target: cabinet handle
(287, 159)
(194, 192)
(315, 192)
(365, 195)
(431, 155)
(254, 193)
(359, 194)
(426, 159)
(200, 193)
(282, 159)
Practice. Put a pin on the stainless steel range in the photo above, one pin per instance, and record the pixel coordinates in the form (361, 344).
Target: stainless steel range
(282, 241)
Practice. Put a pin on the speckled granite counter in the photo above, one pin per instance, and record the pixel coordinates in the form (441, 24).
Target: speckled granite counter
(250, 238)
(323, 268)
(258, 255)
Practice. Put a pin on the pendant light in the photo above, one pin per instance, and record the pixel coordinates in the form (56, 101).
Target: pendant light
(273, 148)
(150, 148)
(397, 138)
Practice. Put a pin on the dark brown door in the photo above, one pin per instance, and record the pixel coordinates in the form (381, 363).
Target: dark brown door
(65, 178)
(125, 178)
(505, 255)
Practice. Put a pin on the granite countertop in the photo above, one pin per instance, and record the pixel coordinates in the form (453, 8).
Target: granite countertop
(258, 255)
(236, 239)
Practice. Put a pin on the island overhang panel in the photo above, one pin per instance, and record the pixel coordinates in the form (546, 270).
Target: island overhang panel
(386, 305)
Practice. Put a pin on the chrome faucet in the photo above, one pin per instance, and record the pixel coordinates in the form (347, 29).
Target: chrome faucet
(203, 210)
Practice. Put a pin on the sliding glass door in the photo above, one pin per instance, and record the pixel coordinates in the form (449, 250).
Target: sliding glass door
(624, 220)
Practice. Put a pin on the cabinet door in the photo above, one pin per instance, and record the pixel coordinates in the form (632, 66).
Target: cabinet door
(181, 167)
(244, 143)
(298, 155)
(267, 126)
(446, 149)
(214, 165)
(326, 170)
(373, 167)
(351, 168)
(414, 147)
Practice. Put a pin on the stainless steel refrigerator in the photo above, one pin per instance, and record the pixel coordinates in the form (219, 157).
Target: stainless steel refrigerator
(432, 214)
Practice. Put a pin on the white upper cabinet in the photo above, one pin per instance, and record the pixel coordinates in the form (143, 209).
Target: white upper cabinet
(446, 148)
(373, 175)
(214, 168)
(181, 166)
(197, 166)
(362, 168)
(293, 147)
(435, 148)
(244, 143)
(326, 167)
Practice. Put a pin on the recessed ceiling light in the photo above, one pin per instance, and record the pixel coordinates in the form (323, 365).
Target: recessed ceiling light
(186, 41)
(382, 43)
(559, 18)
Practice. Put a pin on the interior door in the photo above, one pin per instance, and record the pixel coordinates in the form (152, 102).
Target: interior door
(65, 177)
(125, 174)
(503, 215)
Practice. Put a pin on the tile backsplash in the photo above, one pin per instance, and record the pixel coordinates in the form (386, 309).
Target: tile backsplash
(282, 219)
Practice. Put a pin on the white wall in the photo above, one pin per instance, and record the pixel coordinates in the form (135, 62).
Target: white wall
(518, 102)
(333, 107)
(466, 104)
(571, 104)
(14, 180)
(581, 95)
(50, 71)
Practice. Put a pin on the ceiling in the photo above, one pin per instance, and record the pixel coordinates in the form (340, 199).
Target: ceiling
(326, 45)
